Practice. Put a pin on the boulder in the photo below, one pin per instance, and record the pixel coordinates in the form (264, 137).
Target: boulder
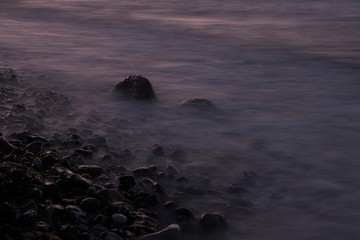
(134, 87)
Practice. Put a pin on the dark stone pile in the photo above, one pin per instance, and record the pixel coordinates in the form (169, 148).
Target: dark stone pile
(48, 192)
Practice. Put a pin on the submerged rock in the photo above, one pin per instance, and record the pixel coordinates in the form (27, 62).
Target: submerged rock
(136, 87)
(213, 222)
(198, 103)
(7, 75)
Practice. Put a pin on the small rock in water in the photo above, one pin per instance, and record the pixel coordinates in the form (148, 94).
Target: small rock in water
(213, 222)
(199, 103)
(7, 75)
(136, 87)
(170, 232)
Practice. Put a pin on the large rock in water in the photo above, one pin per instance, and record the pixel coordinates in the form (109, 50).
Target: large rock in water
(134, 87)
(7, 75)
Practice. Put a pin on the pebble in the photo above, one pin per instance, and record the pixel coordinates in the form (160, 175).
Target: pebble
(89, 204)
(92, 170)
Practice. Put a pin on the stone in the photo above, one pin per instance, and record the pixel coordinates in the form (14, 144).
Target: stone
(185, 218)
(212, 222)
(170, 232)
(119, 219)
(134, 87)
(90, 204)
(35, 147)
(199, 104)
(77, 215)
(7, 75)
(92, 170)
(80, 183)
(157, 151)
(6, 147)
(110, 236)
(126, 182)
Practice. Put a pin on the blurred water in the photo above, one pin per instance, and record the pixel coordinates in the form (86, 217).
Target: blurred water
(284, 75)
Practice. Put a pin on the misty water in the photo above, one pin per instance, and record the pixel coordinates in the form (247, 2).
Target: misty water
(284, 76)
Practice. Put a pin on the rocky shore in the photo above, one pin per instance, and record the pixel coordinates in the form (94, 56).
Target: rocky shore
(62, 185)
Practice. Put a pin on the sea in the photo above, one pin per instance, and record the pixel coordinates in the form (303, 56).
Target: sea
(284, 76)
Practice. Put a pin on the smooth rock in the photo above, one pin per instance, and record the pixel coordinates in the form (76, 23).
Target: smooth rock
(134, 87)
(80, 183)
(171, 232)
(213, 222)
(92, 170)
(5, 147)
(89, 204)
(119, 219)
(198, 103)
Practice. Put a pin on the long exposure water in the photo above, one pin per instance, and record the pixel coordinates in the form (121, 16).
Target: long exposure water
(284, 76)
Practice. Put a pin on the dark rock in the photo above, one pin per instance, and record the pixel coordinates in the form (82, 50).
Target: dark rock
(7, 75)
(108, 195)
(84, 153)
(97, 140)
(213, 222)
(42, 226)
(185, 218)
(92, 170)
(98, 219)
(110, 236)
(76, 214)
(157, 151)
(134, 87)
(119, 219)
(80, 183)
(170, 232)
(30, 215)
(198, 103)
(119, 207)
(177, 155)
(126, 182)
(73, 141)
(145, 171)
(6, 147)
(90, 204)
(35, 147)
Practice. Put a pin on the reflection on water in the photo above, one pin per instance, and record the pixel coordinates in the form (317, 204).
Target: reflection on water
(284, 75)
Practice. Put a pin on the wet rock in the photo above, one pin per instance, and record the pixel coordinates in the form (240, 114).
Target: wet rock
(213, 222)
(108, 195)
(30, 215)
(119, 207)
(35, 147)
(134, 87)
(5, 147)
(177, 155)
(97, 140)
(119, 219)
(90, 204)
(126, 182)
(185, 218)
(170, 232)
(76, 214)
(198, 103)
(80, 183)
(145, 171)
(42, 226)
(7, 75)
(73, 141)
(92, 170)
(84, 153)
(157, 151)
(110, 236)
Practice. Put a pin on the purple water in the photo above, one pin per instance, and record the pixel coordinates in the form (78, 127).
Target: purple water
(283, 74)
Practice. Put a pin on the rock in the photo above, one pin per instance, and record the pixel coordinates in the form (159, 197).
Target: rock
(77, 215)
(90, 204)
(119, 219)
(35, 147)
(213, 222)
(80, 183)
(145, 171)
(92, 170)
(185, 218)
(170, 232)
(157, 151)
(198, 103)
(110, 236)
(97, 140)
(6, 147)
(7, 75)
(108, 195)
(134, 87)
(30, 215)
(126, 182)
